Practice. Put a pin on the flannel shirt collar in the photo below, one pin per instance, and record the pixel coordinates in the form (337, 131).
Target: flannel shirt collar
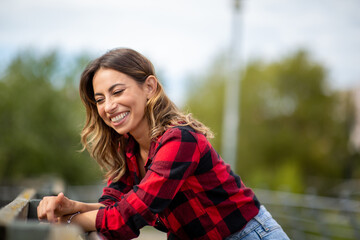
(131, 155)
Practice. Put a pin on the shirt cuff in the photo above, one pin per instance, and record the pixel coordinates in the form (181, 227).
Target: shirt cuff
(99, 218)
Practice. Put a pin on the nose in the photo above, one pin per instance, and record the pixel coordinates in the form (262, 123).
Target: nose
(110, 106)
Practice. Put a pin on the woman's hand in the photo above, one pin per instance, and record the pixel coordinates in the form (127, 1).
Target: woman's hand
(51, 208)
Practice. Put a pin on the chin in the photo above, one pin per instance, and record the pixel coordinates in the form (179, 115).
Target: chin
(121, 130)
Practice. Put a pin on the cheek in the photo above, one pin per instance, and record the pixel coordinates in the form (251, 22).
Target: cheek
(140, 106)
(101, 112)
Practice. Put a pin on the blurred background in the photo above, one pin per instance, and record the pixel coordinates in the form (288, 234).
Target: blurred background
(277, 81)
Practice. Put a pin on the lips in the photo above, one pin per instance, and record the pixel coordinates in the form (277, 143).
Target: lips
(119, 117)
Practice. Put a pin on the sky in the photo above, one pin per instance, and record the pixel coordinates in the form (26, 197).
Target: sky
(182, 37)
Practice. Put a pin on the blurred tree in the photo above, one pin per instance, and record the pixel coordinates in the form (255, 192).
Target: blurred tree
(40, 118)
(206, 98)
(291, 129)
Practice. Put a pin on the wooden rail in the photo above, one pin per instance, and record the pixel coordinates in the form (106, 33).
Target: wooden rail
(18, 221)
(17, 209)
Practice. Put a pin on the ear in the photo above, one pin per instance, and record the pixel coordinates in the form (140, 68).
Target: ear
(150, 86)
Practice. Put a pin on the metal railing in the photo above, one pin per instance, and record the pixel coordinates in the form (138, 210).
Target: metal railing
(305, 216)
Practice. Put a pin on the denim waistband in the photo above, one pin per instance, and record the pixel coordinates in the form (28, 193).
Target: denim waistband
(262, 216)
(259, 219)
(262, 225)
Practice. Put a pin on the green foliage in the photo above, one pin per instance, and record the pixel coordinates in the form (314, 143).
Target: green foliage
(206, 99)
(41, 118)
(292, 126)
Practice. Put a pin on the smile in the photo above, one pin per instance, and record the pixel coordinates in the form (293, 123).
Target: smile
(119, 117)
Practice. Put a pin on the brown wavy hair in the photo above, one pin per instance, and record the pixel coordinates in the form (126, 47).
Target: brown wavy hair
(104, 144)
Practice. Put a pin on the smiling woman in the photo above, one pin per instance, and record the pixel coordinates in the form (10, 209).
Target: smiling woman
(161, 169)
(121, 101)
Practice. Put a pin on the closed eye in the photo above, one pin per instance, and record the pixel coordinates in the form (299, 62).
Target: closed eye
(99, 100)
(117, 92)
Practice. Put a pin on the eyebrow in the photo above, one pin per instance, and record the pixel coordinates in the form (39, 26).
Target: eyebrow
(111, 88)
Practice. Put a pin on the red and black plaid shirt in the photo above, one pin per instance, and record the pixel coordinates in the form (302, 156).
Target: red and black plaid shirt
(187, 187)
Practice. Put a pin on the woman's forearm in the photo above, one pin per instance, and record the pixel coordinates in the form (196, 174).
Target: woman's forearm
(86, 207)
(85, 220)
(52, 207)
(87, 217)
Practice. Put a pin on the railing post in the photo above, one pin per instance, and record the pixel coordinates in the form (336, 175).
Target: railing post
(17, 209)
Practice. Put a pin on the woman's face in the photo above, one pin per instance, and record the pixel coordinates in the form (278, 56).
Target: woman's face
(121, 101)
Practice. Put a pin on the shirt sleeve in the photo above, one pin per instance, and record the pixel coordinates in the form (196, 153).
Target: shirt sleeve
(176, 157)
(114, 191)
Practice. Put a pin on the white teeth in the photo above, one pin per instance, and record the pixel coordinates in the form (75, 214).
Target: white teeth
(119, 117)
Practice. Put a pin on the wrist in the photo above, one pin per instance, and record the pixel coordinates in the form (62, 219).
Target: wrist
(71, 217)
(86, 207)
(78, 207)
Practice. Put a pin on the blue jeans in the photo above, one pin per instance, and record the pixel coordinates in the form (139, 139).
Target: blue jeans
(262, 226)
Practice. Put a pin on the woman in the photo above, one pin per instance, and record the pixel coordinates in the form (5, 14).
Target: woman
(161, 169)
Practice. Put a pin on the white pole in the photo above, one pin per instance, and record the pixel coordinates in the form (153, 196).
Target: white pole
(232, 92)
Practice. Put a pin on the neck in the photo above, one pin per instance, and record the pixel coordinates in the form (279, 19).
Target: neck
(141, 136)
(144, 146)
(144, 143)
